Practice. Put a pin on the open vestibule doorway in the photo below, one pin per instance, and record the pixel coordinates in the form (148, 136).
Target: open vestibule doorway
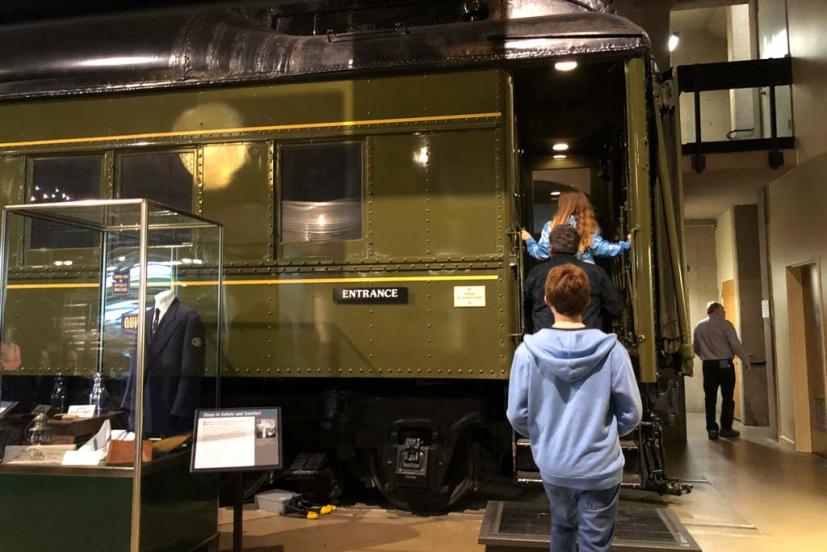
(807, 357)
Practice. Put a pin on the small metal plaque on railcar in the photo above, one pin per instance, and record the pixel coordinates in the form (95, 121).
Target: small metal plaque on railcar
(371, 295)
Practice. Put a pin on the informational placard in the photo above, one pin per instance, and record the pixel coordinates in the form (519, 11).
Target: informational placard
(237, 439)
(120, 282)
(371, 295)
(82, 410)
(469, 296)
(35, 454)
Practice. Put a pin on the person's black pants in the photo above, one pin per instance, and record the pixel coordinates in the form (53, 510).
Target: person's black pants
(719, 373)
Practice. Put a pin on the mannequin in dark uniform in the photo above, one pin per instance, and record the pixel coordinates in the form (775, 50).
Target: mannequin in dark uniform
(173, 368)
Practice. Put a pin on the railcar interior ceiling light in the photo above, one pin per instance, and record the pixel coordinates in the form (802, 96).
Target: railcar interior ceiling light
(560, 146)
(674, 40)
(560, 156)
(565, 66)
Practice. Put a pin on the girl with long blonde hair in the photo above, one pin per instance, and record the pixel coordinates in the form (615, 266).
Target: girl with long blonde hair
(575, 209)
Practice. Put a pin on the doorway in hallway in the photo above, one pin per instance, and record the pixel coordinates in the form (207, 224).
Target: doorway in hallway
(807, 351)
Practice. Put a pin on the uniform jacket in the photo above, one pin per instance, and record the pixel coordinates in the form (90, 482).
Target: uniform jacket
(174, 368)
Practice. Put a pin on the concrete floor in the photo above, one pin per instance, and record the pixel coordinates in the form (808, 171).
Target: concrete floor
(750, 495)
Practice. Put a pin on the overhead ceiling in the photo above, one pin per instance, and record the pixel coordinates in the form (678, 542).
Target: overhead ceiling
(582, 108)
(710, 20)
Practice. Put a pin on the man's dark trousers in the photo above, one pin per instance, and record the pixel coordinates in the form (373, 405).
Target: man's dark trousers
(719, 373)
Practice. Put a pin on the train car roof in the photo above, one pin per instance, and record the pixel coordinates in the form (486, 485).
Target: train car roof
(133, 51)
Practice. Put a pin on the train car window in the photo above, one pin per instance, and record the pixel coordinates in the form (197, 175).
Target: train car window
(166, 177)
(63, 179)
(321, 192)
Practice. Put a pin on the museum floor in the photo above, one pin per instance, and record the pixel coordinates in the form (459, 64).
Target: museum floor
(750, 495)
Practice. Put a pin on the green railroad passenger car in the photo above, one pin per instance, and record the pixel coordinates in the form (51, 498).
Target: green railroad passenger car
(352, 147)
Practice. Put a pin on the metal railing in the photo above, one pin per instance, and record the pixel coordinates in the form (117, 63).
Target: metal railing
(736, 75)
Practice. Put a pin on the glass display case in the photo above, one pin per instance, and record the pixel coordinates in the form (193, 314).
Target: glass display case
(111, 326)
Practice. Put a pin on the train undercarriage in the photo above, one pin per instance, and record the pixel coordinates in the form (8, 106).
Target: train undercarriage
(424, 445)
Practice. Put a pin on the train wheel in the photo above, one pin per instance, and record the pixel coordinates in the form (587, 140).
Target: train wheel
(459, 479)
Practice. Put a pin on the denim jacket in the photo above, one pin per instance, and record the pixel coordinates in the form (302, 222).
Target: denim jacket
(599, 246)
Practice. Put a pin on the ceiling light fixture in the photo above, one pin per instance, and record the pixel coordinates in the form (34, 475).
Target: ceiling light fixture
(555, 194)
(565, 66)
(560, 146)
(674, 40)
(560, 156)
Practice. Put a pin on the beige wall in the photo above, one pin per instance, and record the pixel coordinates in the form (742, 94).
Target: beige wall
(753, 384)
(700, 46)
(797, 234)
(730, 179)
(748, 270)
(702, 287)
(725, 247)
(797, 202)
(743, 103)
(808, 47)
(773, 42)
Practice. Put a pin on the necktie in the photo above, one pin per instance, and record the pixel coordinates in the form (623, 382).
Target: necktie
(155, 320)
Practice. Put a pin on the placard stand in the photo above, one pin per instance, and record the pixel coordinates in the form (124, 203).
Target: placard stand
(235, 440)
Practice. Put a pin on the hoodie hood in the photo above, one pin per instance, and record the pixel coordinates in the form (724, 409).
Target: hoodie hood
(571, 355)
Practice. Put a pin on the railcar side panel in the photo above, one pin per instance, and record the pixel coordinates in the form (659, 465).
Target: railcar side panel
(435, 219)
(296, 110)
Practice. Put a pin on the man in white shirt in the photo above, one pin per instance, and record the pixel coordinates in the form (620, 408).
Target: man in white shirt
(716, 343)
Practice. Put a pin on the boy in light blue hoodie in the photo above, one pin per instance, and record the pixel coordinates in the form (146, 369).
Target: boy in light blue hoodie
(573, 393)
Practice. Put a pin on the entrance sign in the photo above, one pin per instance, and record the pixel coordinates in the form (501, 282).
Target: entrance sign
(371, 295)
(237, 439)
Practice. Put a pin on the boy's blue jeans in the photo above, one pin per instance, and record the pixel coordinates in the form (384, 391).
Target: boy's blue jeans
(587, 517)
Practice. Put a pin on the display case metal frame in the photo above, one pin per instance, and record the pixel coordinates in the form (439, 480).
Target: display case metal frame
(62, 213)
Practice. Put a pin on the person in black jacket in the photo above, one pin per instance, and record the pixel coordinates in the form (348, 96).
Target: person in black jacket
(605, 303)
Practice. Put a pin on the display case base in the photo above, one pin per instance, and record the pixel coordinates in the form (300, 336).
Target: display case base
(88, 510)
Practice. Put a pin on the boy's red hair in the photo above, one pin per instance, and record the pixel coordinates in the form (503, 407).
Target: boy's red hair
(568, 289)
